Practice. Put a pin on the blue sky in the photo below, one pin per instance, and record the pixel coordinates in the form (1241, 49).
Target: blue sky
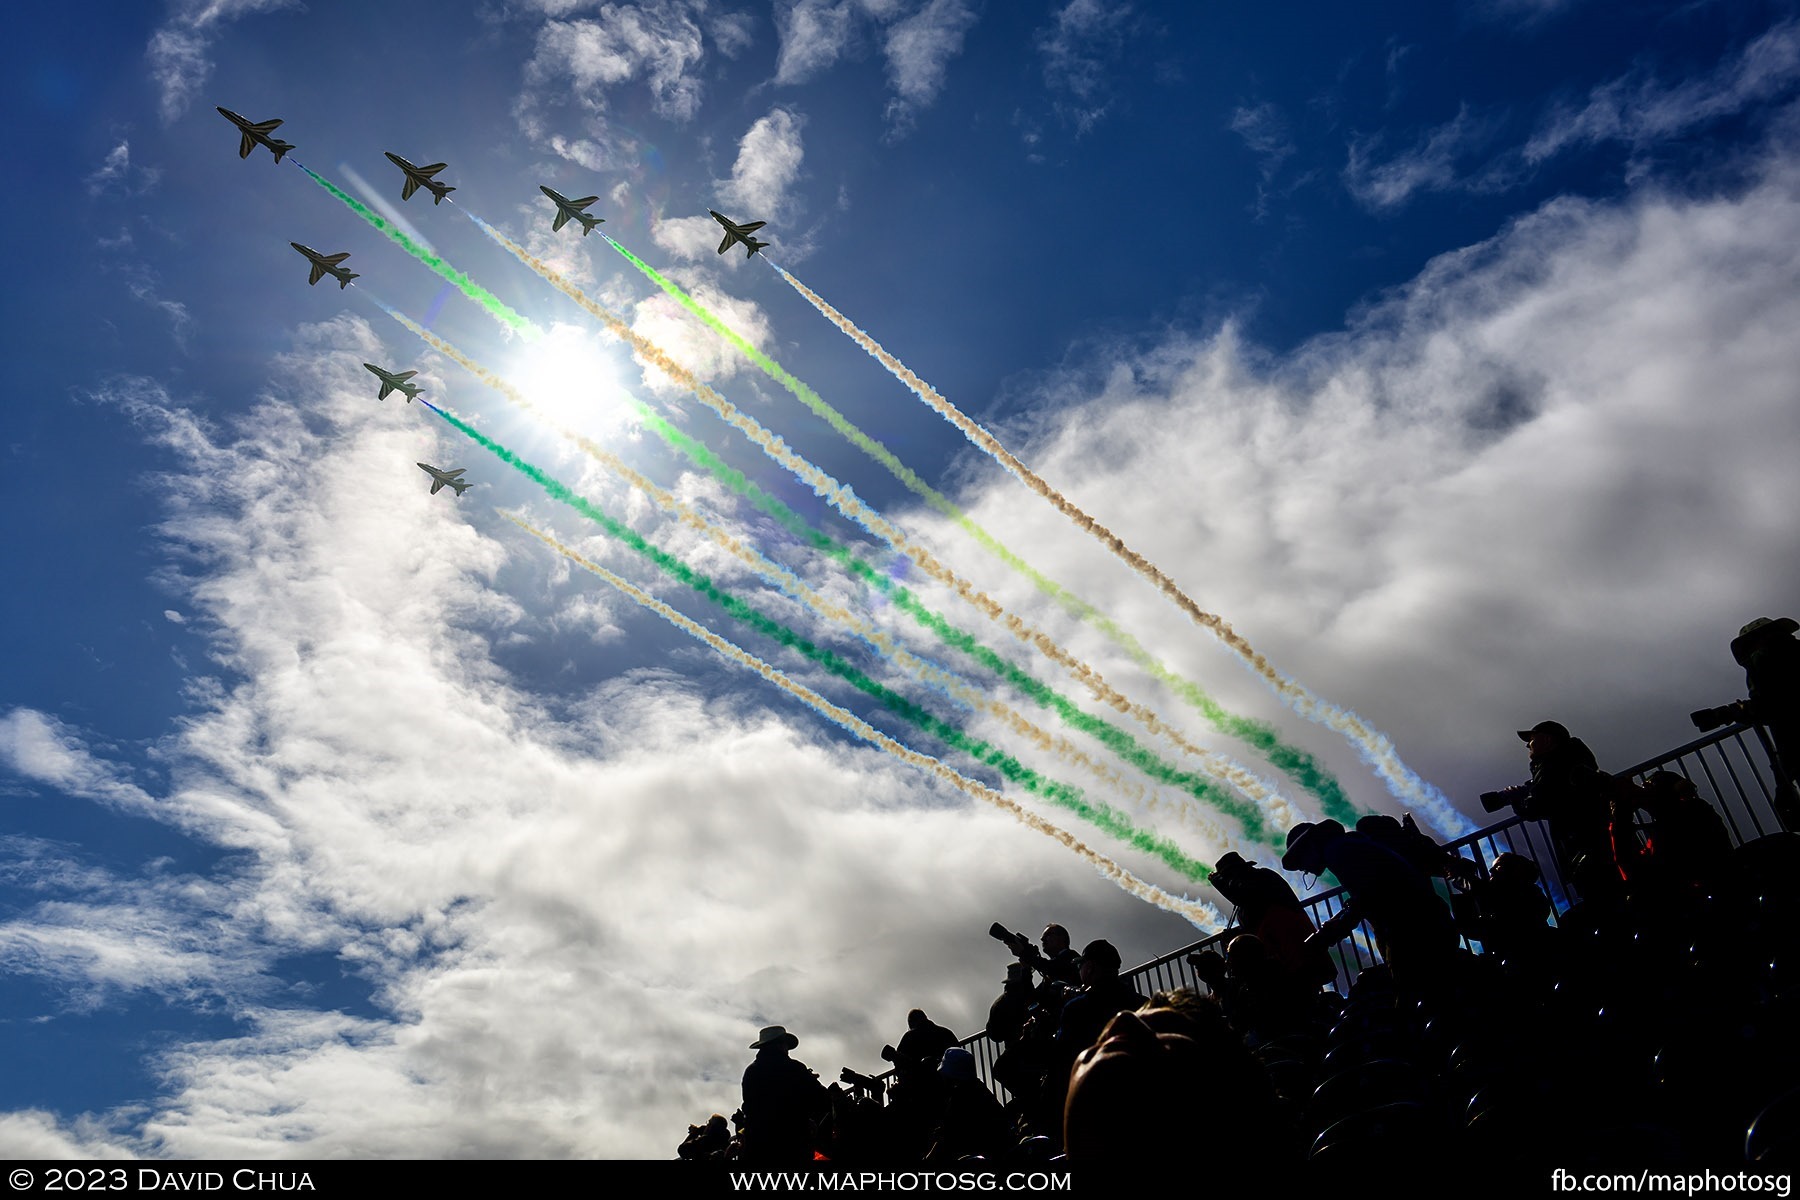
(1445, 351)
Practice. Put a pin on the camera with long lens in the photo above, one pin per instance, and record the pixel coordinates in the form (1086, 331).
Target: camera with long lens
(1018, 943)
(1708, 719)
(1519, 793)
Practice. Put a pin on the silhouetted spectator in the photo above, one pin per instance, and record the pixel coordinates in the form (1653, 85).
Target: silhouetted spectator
(1059, 962)
(1267, 907)
(1770, 656)
(1413, 928)
(1576, 799)
(1417, 847)
(1688, 843)
(972, 1121)
(783, 1101)
(1157, 1080)
(708, 1142)
(1102, 994)
(922, 1045)
(1507, 912)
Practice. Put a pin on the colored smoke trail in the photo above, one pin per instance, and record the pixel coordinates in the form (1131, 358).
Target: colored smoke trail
(1309, 775)
(926, 672)
(1375, 747)
(1102, 816)
(846, 502)
(468, 287)
(1273, 805)
(1203, 916)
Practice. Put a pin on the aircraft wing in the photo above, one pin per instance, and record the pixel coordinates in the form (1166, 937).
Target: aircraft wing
(318, 272)
(404, 375)
(752, 227)
(245, 145)
(433, 169)
(386, 387)
(453, 474)
(562, 218)
(437, 485)
(411, 185)
(726, 244)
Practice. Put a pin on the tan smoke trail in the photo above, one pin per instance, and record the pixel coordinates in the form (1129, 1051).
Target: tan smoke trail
(1376, 748)
(1275, 806)
(1203, 916)
(1045, 740)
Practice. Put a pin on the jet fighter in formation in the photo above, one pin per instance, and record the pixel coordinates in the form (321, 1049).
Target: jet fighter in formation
(395, 382)
(256, 133)
(327, 264)
(440, 479)
(570, 210)
(419, 177)
(739, 233)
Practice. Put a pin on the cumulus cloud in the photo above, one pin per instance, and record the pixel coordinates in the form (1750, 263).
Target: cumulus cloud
(569, 910)
(179, 49)
(1549, 477)
(768, 163)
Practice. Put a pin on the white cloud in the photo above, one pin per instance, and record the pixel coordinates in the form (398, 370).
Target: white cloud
(1430, 165)
(116, 173)
(919, 49)
(1079, 46)
(570, 911)
(768, 163)
(1550, 477)
(1638, 110)
(1265, 132)
(660, 45)
(814, 34)
(44, 749)
(178, 50)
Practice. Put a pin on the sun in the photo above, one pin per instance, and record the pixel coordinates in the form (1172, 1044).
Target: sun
(571, 378)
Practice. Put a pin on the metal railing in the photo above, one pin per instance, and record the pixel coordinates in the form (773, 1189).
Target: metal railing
(1741, 778)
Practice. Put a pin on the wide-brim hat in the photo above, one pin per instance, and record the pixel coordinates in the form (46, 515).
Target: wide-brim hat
(1755, 631)
(1304, 839)
(774, 1035)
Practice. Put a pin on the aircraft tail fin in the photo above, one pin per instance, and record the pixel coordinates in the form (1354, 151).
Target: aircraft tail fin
(438, 193)
(280, 147)
(345, 278)
(588, 224)
(460, 487)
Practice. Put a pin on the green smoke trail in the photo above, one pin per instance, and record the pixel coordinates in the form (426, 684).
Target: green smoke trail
(1293, 761)
(491, 303)
(1102, 816)
(1118, 740)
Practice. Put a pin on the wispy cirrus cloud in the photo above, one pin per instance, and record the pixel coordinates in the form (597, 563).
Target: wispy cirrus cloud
(179, 50)
(1639, 109)
(1384, 182)
(1079, 47)
(917, 38)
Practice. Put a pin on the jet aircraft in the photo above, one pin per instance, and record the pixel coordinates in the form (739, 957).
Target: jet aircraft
(440, 478)
(568, 210)
(391, 382)
(419, 177)
(323, 264)
(256, 133)
(739, 233)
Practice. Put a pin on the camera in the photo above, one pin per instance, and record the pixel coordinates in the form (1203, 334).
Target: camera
(1018, 943)
(1519, 793)
(1709, 719)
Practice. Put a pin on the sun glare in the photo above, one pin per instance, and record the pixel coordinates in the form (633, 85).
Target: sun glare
(571, 377)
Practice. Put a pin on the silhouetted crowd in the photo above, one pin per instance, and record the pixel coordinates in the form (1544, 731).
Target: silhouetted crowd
(1654, 1023)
